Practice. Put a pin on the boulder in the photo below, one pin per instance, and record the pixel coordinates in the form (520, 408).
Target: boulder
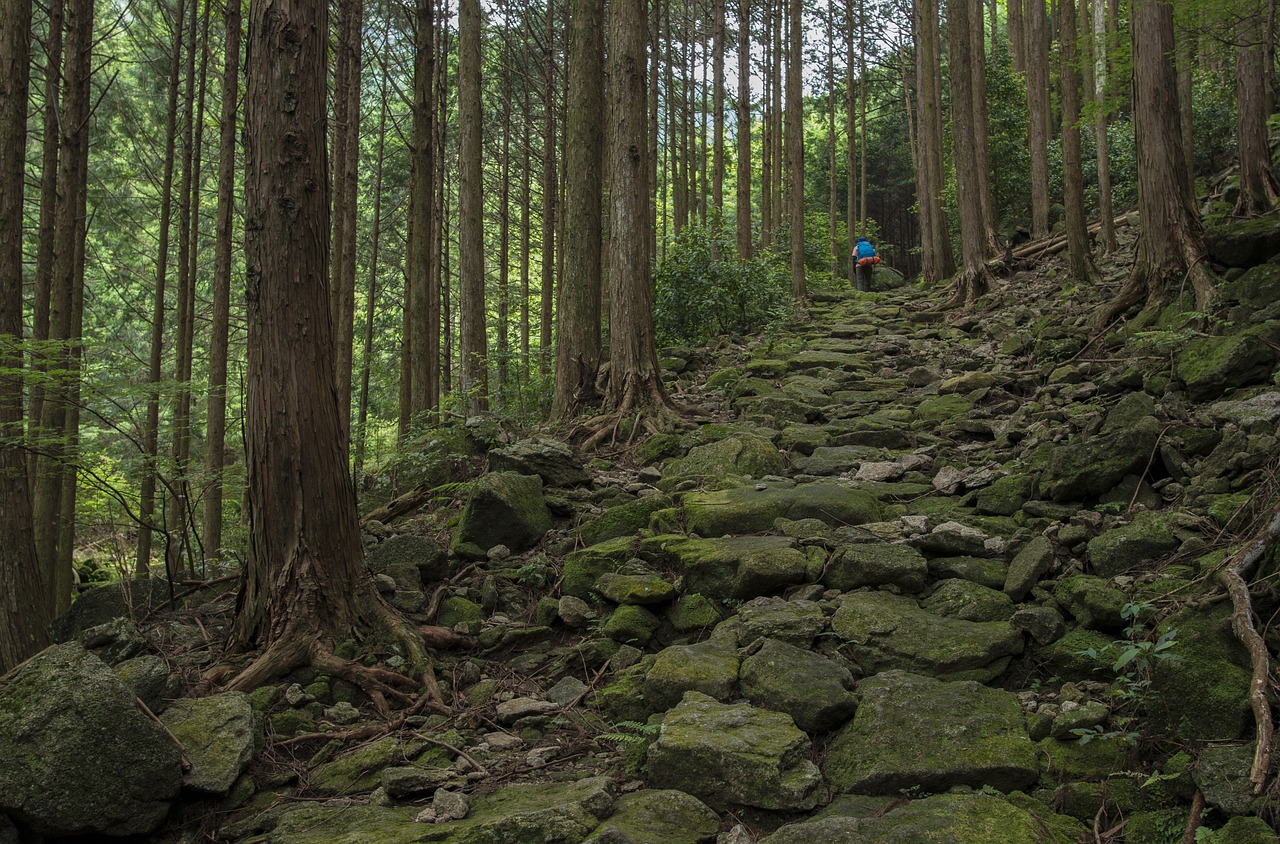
(1210, 366)
(1005, 496)
(740, 567)
(410, 561)
(734, 756)
(504, 509)
(753, 510)
(631, 624)
(104, 603)
(220, 734)
(1089, 466)
(795, 622)
(1092, 602)
(816, 692)
(968, 602)
(952, 539)
(1028, 566)
(877, 564)
(1145, 540)
(1245, 244)
(657, 816)
(1203, 693)
(113, 641)
(80, 758)
(148, 676)
(1222, 775)
(989, 572)
(640, 589)
(622, 520)
(833, 460)
(710, 668)
(551, 460)
(728, 459)
(973, 735)
(883, 631)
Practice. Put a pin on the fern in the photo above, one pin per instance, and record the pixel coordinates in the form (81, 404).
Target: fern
(630, 732)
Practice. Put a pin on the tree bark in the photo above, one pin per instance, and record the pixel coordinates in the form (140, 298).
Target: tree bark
(975, 279)
(936, 256)
(1080, 261)
(346, 162)
(578, 309)
(216, 411)
(1258, 185)
(744, 162)
(851, 134)
(981, 135)
(717, 107)
(304, 587)
(795, 147)
(25, 606)
(550, 191)
(1037, 63)
(472, 334)
(1103, 30)
(421, 284)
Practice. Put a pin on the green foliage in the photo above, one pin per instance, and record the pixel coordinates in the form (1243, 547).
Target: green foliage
(630, 732)
(704, 289)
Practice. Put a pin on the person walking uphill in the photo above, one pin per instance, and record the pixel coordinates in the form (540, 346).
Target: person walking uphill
(867, 260)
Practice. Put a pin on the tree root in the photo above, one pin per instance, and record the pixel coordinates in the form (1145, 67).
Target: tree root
(645, 401)
(1233, 579)
(1195, 820)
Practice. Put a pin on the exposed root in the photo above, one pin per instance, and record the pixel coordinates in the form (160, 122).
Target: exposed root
(645, 402)
(968, 286)
(1195, 820)
(1233, 578)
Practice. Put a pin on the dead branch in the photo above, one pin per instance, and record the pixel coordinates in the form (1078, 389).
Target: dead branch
(401, 506)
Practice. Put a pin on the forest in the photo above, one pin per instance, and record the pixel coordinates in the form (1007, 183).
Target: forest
(507, 207)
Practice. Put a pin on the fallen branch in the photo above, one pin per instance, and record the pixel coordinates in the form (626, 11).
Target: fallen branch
(1233, 579)
(184, 760)
(403, 505)
(1195, 819)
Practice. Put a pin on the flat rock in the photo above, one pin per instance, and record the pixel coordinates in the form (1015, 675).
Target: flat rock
(739, 511)
(816, 692)
(220, 734)
(657, 816)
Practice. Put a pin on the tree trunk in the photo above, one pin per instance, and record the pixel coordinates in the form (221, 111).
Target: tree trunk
(717, 108)
(578, 309)
(744, 162)
(473, 349)
(851, 133)
(550, 190)
(833, 202)
(1170, 249)
(1258, 185)
(346, 162)
(423, 296)
(305, 588)
(795, 147)
(981, 136)
(1186, 97)
(216, 412)
(526, 230)
(25, 606)
(155, 372)
(937, 260)
(1103, 30)
(975, 279)
(767, 129)
(1080, 261)
(1037, 62)
(1017, 35)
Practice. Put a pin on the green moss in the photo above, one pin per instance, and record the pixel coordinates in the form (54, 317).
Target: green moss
(1157, 827)
(1065, 761)
(631, 625)
(623, 520)
(1203, 694)
(623, 698)
(582, 568)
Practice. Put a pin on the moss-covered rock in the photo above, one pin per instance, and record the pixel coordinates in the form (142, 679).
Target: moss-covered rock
(549, 459)
(1147, 539)
(1222, 775)
(740, 567)
(1093, 603)
(939, 409)
(654, 816)
(361, 769)
(692, 613)
(795, 622)
(623, 520)
(1005, 496)
(709, 667)
(623, 698)
(883, 631)
(220, 735)
(1203, 694)
(504, 509)
(731, 458)
(1242, 830)
(1081, 654)
(968, 602)
(1210, 366)
(986, 571)
(639, 589)
(734, 755)
(631, 625)
(1030, 564)
(816, 692)
(1065, 761)
(1089, 466)
(456, 610)
(583, 568)
(751, 510)
(973, 736)
(876, 564)
(833, 460)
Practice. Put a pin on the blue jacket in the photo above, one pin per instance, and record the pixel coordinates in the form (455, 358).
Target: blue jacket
(865, 249)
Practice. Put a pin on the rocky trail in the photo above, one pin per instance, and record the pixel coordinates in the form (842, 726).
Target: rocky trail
(911, 577)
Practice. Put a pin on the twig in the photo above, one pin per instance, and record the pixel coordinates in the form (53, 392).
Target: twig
(481, 768)
(1155, 449)
(182, 752)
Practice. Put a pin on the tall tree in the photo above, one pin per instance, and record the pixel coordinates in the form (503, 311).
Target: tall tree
(976, 278)
(635, 385)
(421, 345)
(471, 305)
(346, 161)
(937, 260)
(981, 135)
(853, 48)
(1103, 36)
(717, 106)
(304, 588)
(744, 163)
(1080, 261)
(795, 146)
(578, 309)
(25, 606)
(216, 411)
(1259, 188)
(1170, 248)
(1037, 64)
(550, 189)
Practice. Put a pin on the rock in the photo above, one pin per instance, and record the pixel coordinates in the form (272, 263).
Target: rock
(1147, 538)
(79, 757)
(729, 458)
(1089, 466)
(220, 734)
(741, 567)
(1005, 496)
(734, 755)
(1045, 624)
(542, 812)
(1203, 694)
(1222, 775)
(877, 564)
(513, 710)
(652, 816)
(1092, 602)
(581, 569)
(551, 460)
(710, 668)
(574, 612)
(1246, 244)
(148, 676)
(794, 622)
(739, 511)
(833, 460)
(816, 692)
(410, 561)
(640, 589)
(630, 624)
(401, 783)
(1028, 566)
(973, 736)
(987, 572)
(104, 603)
(1210, 366)
(952, 539)
(504, 509)
(884, 631)
(1245, 830)
(1067, 721)
(457, 612)
(114, 641)
(342, 713)
(622, 520)
(968, 602)
(566, 691)
(361, 769)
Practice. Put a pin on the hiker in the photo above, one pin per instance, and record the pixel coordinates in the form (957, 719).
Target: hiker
(867, 260)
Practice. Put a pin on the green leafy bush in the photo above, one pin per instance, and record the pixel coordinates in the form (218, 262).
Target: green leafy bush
(704, 290)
